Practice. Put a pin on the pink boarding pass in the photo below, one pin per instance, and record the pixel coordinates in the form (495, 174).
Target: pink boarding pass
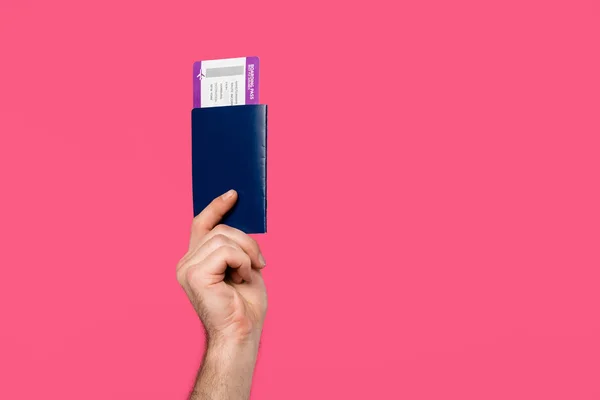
(226, 82)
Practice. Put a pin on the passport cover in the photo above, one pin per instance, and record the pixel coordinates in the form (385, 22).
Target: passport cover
(229, 151)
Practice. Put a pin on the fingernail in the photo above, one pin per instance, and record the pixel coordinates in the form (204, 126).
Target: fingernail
(261, 259)
(228, 195)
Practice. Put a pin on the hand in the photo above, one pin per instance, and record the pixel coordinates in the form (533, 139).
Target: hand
(221, 275)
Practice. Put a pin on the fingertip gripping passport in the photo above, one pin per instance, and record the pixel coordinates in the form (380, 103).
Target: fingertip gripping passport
(229, 151)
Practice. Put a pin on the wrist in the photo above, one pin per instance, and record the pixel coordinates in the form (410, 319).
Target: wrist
(225, 356)
(234, 336)
(227, 367)
(233, 344)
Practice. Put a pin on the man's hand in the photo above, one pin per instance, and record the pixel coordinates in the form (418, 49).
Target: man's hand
(221, 276)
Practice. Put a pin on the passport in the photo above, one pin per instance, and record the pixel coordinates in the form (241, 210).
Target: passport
(229, 151)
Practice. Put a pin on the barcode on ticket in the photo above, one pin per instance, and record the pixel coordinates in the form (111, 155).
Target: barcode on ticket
(225, 71)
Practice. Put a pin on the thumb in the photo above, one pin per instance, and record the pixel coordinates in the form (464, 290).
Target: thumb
(211, 216)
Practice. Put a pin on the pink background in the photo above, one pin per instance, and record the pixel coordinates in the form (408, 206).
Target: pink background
(434, 197)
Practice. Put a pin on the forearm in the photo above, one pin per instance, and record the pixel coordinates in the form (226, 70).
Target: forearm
(226, 372)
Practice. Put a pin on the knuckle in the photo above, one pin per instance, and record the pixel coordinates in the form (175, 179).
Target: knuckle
(247, 261)
(227, 251)
(221, 229)
(254, 244)
(190, 274)
(181, 263)
(182, 268)
(180, 276)
(219, 240)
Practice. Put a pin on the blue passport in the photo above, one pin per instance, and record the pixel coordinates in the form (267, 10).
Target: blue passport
(229, 151)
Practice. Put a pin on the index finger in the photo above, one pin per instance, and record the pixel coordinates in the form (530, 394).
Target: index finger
(211, 216)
